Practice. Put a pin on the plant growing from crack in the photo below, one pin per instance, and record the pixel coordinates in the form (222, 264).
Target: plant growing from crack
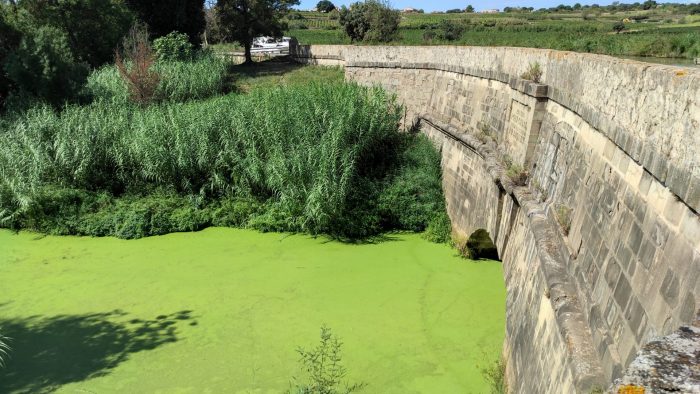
(564, 218)
(533, 73)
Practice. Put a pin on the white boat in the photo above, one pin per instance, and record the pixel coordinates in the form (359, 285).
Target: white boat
(270, 44)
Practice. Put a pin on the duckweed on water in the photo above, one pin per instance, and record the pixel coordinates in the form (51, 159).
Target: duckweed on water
(223, 310)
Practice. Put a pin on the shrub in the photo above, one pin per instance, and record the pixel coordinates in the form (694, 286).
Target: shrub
(439, 228)
(94, 27)
(414, 195)
(44, 67)
(429, 35)
(174, 46)
(10, 42)
(533, 73)
(135, 66)
(618, 27)
(324, 368)
(370, 21)
(449, 30)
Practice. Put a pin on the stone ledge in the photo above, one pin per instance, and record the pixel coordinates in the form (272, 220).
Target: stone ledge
(563, 294)
(666, 365)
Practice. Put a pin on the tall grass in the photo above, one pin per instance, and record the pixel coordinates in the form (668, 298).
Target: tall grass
(200, 78)
(314, 158)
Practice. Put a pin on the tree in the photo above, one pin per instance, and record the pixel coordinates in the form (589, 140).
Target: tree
(325, 6)
(93, 27)
(243, 20)
(212, 32)
(10, 41)
(370, 21)
(449, 30)
(166, 16)
(469, 9)
(649, 4)
(43, 66)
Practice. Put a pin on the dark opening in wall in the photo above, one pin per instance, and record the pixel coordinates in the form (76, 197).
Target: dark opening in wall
(481, 246)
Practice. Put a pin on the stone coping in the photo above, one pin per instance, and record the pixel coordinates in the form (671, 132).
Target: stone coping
(682, 182)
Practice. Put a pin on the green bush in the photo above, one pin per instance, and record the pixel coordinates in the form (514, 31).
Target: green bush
(414, 193)
(43, 66)
(449, 30)
(174, 46)
(95, 27)
(371, 21)
(439, 228)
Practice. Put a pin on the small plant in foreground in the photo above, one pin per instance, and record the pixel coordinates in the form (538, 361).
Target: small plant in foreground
(324, 368)
(495, 376)
(564, 218)
(135, 66)
(533, 73)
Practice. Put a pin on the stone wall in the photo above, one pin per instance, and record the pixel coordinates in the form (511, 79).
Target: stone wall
(601, 246)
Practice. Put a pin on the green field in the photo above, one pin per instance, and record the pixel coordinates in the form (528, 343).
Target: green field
(223, 310)
(666, 31)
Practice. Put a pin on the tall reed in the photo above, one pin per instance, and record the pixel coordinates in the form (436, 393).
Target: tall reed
(318, 157)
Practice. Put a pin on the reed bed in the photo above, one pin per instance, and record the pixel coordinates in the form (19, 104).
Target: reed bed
(203, 77)
(314, 158)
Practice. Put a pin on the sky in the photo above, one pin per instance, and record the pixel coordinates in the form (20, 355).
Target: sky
(442, 5)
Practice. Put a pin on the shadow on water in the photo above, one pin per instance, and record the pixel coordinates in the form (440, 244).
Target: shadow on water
(48, 352)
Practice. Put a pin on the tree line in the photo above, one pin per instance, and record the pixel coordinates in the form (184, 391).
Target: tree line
(48, 47)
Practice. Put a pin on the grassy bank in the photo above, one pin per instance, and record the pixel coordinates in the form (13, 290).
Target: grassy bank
(223, 310)
(663, 32)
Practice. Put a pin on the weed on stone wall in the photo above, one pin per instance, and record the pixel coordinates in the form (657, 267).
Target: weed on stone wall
(563, 216)
(533, 73)
(515, 172)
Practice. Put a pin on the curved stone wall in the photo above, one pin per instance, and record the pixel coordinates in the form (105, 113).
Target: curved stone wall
(601, 244)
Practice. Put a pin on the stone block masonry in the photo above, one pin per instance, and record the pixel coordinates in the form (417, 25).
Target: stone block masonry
(601, 248)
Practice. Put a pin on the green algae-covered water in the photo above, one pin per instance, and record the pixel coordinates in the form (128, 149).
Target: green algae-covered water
(223, 310)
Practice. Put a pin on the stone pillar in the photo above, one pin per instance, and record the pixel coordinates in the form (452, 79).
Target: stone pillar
(522, 128)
